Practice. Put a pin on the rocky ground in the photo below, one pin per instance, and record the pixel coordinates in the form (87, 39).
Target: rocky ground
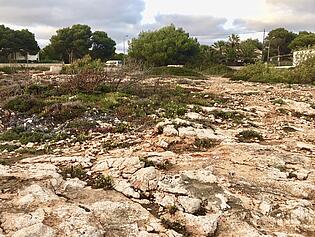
(241, 167)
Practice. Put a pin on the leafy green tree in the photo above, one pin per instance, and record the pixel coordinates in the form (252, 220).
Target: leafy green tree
(250, 50)
(25, 41)
(232, 48)
(168, 45)
(14, 41)
(234, 51)
(209, 55)
(103, 47)
(303, 40)
(48, 54)
(72, 42)
(279, 40)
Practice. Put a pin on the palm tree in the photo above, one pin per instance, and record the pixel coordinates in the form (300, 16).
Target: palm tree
(234, 41)
(219, 46)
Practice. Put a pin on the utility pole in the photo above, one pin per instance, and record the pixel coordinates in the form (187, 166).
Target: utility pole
(263, 49)
(268, 54)
(279, 56)
(125, 37)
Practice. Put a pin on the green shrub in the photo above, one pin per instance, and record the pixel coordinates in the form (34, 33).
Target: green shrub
(249, 136)
(206, 143)
(83, 65)
(260, 72)
(65, 111)
(81, 124)
(24, 136)
(25, 104)
(74, 172)
(279, 102)
(101, 182)
(228, 115)
(174, 109)
(218, 70)
(8, 147)
(173, 71)
(178, 227)
(305, 72)
(9, 70)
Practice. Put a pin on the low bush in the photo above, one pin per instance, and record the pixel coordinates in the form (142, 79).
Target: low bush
(83, 65)
(8, 147)
(218, 70)
(249, 136)
(66, 111)
(305, 72)
(24, 104)
(206, 143)
(101, 182)
(24, 136)
(259, 72)
(9, 70)
(173, 71)
(76, 171)
(174, 109)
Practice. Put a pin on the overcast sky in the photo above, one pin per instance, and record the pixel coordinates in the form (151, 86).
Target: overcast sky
(208, 20)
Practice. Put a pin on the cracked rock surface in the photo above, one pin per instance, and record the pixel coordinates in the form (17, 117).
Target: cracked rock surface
(202, 181)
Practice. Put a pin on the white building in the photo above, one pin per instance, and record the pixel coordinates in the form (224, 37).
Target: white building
(27, 57)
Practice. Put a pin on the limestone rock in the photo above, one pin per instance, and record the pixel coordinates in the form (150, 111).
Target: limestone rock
(73, 184)
(35, 230)
(34, 194)
(200, 225)
(145, 179)
(124, 187)
(169, 130)
(190, 205)
(187, 132)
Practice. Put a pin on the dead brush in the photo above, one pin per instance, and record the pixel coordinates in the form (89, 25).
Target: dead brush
(86, 81)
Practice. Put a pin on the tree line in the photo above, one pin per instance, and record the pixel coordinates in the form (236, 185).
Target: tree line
(168, 45)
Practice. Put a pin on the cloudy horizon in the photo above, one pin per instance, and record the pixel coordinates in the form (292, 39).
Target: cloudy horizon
(206, 20)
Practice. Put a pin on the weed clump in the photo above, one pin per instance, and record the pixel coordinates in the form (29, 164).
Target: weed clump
(161, 165)
(9, 70)
(8, 147)
(172, 209)
(101, 182)
(24, 136)
(74, 172)
(259, 72)
(206, 143)
(174, 71)
(279, 102)
(227, 115)
(249, 136)
(66, 111)
(24, 104)
(96, 181)
(173, 109)
(218, 70)
(178, 227)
